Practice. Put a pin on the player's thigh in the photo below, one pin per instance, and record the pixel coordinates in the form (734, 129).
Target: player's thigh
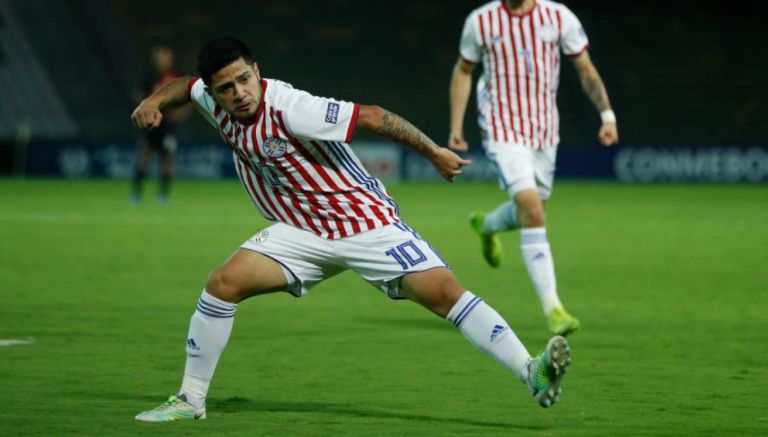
(384, 256)
(305, 258)
(544, 163)
(514, 166)
(244, 274)
(436, 289)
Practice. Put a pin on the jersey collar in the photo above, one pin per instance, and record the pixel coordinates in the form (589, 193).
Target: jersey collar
(513, 14)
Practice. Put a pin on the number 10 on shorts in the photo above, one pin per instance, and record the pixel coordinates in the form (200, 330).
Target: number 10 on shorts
(407, 255)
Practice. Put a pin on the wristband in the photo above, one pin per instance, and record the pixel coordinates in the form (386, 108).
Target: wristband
(608, 116)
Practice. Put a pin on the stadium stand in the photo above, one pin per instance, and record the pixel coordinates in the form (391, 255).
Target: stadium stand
(692, 74)
(28, 92)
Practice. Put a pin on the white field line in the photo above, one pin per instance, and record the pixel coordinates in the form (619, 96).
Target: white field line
(15, 341)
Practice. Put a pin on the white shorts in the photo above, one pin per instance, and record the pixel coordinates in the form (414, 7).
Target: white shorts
(381, 256)
(522, 168)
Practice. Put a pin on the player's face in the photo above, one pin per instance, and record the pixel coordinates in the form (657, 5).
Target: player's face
(163, 59)
(237, 89)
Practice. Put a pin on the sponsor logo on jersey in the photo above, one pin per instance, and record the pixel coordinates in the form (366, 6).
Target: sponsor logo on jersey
(260, 237)
(274, 147)
(497, 331)
(332, 113)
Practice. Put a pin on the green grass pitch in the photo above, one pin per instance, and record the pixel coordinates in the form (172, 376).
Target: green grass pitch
(670, 283)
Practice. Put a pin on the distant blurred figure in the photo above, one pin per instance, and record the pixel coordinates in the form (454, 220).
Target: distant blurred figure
(163, 139)
(519, 44)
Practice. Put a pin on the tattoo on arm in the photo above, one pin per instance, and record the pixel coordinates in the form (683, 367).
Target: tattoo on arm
(595, 89)
(173, 93)
(398, 129)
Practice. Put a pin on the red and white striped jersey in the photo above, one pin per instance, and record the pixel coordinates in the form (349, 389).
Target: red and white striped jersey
(295, 163)
(521, 68)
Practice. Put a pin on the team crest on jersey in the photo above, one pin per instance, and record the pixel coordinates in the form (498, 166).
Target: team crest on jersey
(274, 147)
(547, 33)
(260, 237)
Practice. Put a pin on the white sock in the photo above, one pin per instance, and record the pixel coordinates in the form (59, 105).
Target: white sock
(503, 218)
(541, 268)
(488, 331)
(209, 332)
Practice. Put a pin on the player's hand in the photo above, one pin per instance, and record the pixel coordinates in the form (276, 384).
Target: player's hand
(146, 116)
(457, 142)
(609, 134)
(447, 163)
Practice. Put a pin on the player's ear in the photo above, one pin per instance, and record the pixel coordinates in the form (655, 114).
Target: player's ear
(256, 69)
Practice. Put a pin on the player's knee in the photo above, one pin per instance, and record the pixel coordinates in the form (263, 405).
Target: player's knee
(532, 216)
(446, 292)
(223, 286)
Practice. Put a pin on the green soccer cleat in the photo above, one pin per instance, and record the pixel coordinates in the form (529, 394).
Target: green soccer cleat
(546, 371)
(562, 323)
(489, 241)
(175, 408)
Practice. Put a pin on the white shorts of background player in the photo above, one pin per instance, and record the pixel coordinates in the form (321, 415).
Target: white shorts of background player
(521, 167)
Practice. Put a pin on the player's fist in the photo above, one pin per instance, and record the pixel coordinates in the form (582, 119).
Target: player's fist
(146, 116)
(447, 163)
(609, 134)
(457, 142)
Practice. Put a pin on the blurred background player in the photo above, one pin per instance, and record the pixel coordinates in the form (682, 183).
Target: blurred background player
(163, 139)
(519, 44)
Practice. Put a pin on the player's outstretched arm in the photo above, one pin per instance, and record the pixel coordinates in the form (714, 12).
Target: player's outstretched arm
(391, 126)
(148, 115)
(459, 90)
(594, 87)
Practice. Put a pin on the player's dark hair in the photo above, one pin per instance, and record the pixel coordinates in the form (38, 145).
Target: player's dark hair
(218, 53)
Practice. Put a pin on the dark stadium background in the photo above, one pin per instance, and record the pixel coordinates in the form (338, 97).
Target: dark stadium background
(679, 74)
(668, 278)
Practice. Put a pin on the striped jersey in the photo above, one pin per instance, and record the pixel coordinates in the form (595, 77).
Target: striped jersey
(521, 68)
(295, 163)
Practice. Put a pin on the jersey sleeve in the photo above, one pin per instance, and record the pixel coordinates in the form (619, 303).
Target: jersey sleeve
(470, 45)
(319, 118)
(203, 101)
(573, 40)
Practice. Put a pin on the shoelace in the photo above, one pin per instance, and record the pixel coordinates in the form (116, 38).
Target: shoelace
(170, 403)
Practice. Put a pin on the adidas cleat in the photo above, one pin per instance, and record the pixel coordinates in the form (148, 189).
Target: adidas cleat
(175, 408)
(489, 241)
(546, 371)
(560, 322)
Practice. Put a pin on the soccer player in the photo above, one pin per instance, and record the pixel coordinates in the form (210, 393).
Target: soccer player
(519, 44)
(161, 140)
(291, 151)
